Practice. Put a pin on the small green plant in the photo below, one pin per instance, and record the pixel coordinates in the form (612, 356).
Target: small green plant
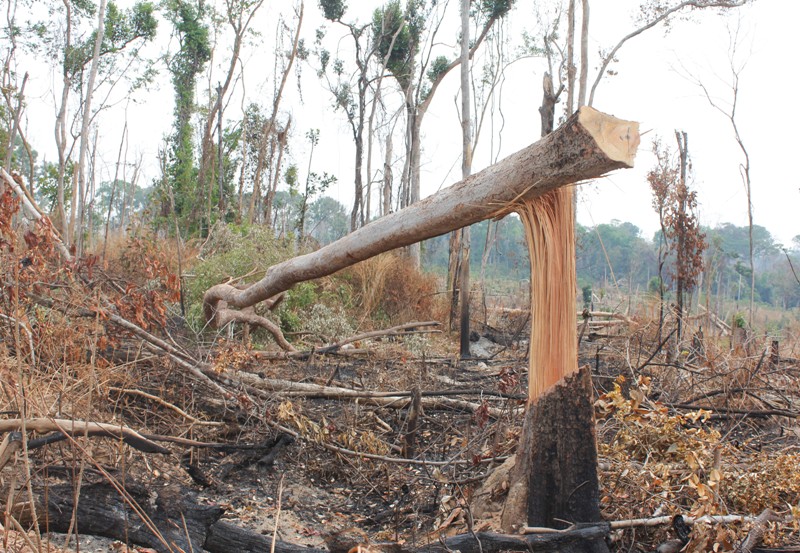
(587, 296)
(739, 320)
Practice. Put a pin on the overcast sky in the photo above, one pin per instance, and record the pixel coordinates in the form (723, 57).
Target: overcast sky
(655, 85)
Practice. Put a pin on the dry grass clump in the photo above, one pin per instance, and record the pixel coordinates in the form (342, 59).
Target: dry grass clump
(389, 288)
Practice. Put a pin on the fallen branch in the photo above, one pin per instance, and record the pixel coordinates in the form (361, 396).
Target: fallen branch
(248, 315)
(151, 342)
(399, 330)
(385, 458)
(756, 533)
(383, 399)
(176, 522)
(166, 404)
(27, 330)
(12, 443)
(77, 428)
(664, 520)
(748, 412)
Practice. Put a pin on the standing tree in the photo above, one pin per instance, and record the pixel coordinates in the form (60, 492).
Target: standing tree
(729, 112)
(677, 207)
(239, 15)
(315, 184)
(193, 52)
(419, 74)
(466, 171)
(352, 103)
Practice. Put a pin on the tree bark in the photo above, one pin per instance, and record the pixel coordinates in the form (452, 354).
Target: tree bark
(557, 461)
(588, 145)
(466, 171)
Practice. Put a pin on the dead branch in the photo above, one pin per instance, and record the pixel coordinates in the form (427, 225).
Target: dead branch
(399, 330)
(12, 443)
(166, 404)
(386, 459)
(400, 400)
(33, 212)
(77, 428)
(732, 411)
(756, 534)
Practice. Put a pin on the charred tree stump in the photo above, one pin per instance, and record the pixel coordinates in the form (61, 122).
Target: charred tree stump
(557, 459)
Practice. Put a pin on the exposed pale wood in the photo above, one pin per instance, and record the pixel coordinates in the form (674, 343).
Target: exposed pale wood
(588, 145)
(658, 521)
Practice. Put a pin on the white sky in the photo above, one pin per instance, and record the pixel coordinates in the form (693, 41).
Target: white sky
(653, 86)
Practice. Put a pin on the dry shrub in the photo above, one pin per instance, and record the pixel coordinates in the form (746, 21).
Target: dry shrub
(391, 288)
(370, 277)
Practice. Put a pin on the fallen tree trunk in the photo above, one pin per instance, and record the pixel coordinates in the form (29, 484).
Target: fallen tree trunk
(587, 146)
(78, 428)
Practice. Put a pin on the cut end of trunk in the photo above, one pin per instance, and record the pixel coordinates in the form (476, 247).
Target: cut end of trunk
(618, 139)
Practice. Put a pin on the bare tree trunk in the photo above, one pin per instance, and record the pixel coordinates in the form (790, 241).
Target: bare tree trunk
(61, 127)
(387, 176)
(87, 117)
(220, 160)
(466, 171)
(681, 262)
(571, 57)
(453, 272)
(584, 53)
(17, 113)
(239, 22)
(122, 142)
(283, 136)
(270, 123)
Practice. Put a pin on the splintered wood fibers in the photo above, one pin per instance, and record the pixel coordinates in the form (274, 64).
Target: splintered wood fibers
(549, 223)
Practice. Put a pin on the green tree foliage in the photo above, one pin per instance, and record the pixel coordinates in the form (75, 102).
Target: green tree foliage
(398, 31)
(326, 220)
(614, 254)
(47, 185)
(333, 9)
(136, 203)
(496, 8)
(126, 31)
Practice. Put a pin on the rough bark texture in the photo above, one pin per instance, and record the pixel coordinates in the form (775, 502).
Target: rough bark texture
(102, 511)
(588, 145)
(560, 464)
